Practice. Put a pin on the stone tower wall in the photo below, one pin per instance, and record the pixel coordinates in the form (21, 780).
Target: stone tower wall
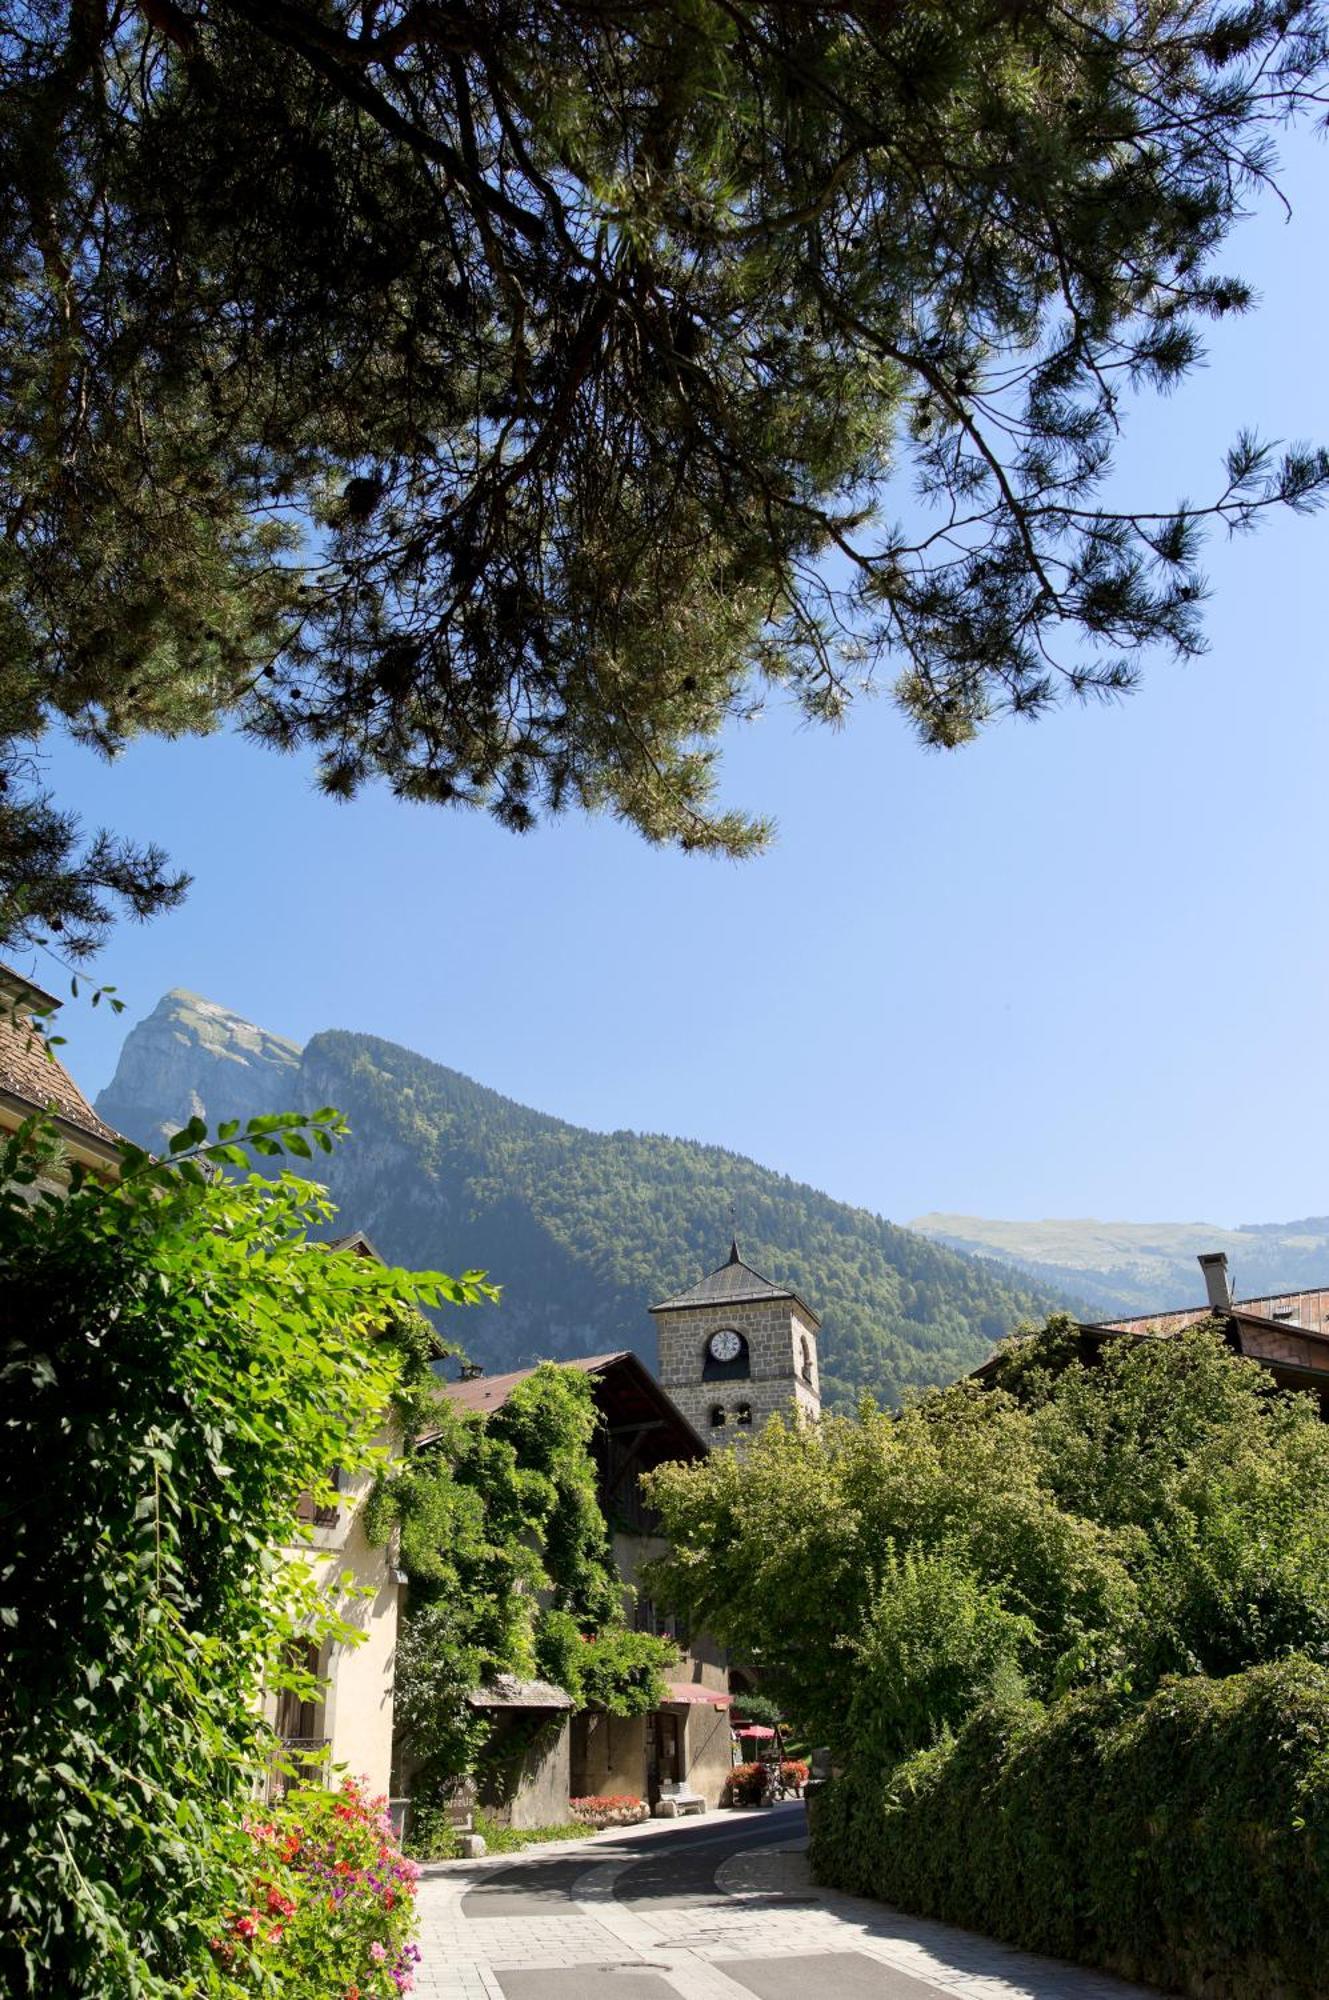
(774, 1330)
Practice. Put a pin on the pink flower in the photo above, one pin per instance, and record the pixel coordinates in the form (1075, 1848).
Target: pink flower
(377, 1952)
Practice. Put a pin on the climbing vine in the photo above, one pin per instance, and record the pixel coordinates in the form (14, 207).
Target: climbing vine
(511, 1571)
(180, 1362)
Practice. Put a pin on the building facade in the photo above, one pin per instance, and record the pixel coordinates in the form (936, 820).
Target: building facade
(348, 1728)
(736, 1350)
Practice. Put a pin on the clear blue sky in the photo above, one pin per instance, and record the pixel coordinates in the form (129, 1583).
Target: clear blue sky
(1079, 968)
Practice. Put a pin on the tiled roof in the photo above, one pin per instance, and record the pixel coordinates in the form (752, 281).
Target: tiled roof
(29, 1070)
(735, 1283)
(626, 1392)
(488, 1393)
(1309, 1305)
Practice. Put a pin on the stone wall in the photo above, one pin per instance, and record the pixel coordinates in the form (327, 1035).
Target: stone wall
(532, 1788)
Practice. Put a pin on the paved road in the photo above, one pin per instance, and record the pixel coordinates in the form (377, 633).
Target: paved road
(703, 1909)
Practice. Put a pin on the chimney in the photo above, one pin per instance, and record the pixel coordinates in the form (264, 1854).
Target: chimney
(471, 1371)
(1214, 1266)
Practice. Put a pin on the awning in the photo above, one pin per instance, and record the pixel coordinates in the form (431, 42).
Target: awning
(686, 1694)
(509, 1692)
(753, 1729)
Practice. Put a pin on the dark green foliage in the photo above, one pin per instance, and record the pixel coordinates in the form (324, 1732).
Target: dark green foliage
(502, 397)
(1184, 1841)
(584, 1230)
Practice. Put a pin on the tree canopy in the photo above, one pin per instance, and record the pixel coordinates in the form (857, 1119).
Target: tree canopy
(1163, 1512)
(498, 397)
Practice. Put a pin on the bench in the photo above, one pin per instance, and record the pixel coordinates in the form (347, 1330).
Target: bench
(677, 1799)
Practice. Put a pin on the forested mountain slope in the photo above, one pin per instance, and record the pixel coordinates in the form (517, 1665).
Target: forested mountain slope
(584, 1229)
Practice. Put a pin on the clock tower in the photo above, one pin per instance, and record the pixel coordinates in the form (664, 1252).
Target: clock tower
(736, 1348)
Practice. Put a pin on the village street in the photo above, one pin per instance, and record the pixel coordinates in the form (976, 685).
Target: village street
(703, 1909)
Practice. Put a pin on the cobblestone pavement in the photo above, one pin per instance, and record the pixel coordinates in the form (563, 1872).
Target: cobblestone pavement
(703, 1909)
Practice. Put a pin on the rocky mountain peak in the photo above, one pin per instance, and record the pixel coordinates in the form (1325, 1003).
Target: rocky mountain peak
(192, 1057)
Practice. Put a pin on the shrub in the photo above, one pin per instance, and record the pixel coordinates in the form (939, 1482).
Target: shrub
(433, 1837)
(794, 1772)
(1183, 1840)
(331, 1908)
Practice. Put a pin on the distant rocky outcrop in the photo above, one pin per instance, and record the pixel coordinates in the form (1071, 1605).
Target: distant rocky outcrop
(583, 1230)
(193, 1059)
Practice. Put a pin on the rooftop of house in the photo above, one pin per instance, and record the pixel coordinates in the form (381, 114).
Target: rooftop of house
(1307, 1309)
(630, 1399)
(1287, 1333)
(32, 1077)
(733, 1283)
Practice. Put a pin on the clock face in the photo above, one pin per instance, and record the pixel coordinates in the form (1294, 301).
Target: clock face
(725, 1345)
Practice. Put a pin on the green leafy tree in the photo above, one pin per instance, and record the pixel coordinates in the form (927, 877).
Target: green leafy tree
(1225, 1482)
(936, 1642)
(794, 1550)
(180, 1362)
(498, 398)
(1163, 1511)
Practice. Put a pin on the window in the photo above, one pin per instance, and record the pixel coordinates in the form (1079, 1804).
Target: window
(717, 1416)
(743, 1415)
(807, 1359)
(1286, 1314)
(320, 1516)
(649, 1616)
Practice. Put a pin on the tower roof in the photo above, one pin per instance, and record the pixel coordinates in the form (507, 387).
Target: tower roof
(733, 1284)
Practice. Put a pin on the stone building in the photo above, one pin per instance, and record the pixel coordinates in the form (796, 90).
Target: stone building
(735, 1349)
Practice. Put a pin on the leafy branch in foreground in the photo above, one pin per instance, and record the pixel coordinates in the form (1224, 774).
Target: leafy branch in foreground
(499, 397)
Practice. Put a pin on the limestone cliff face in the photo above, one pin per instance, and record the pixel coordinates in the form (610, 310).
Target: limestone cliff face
(191, 1058)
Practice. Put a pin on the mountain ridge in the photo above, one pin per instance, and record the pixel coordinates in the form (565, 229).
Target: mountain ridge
(1122, 1268)
(584, 1230)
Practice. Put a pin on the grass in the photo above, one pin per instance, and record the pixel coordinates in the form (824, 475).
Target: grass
(431, 1839)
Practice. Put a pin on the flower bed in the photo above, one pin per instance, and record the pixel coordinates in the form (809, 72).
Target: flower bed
(745, 1785)
(610, 1809)
(331, 1910)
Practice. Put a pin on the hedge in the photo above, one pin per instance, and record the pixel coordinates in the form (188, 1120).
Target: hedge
(1182, 1841)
